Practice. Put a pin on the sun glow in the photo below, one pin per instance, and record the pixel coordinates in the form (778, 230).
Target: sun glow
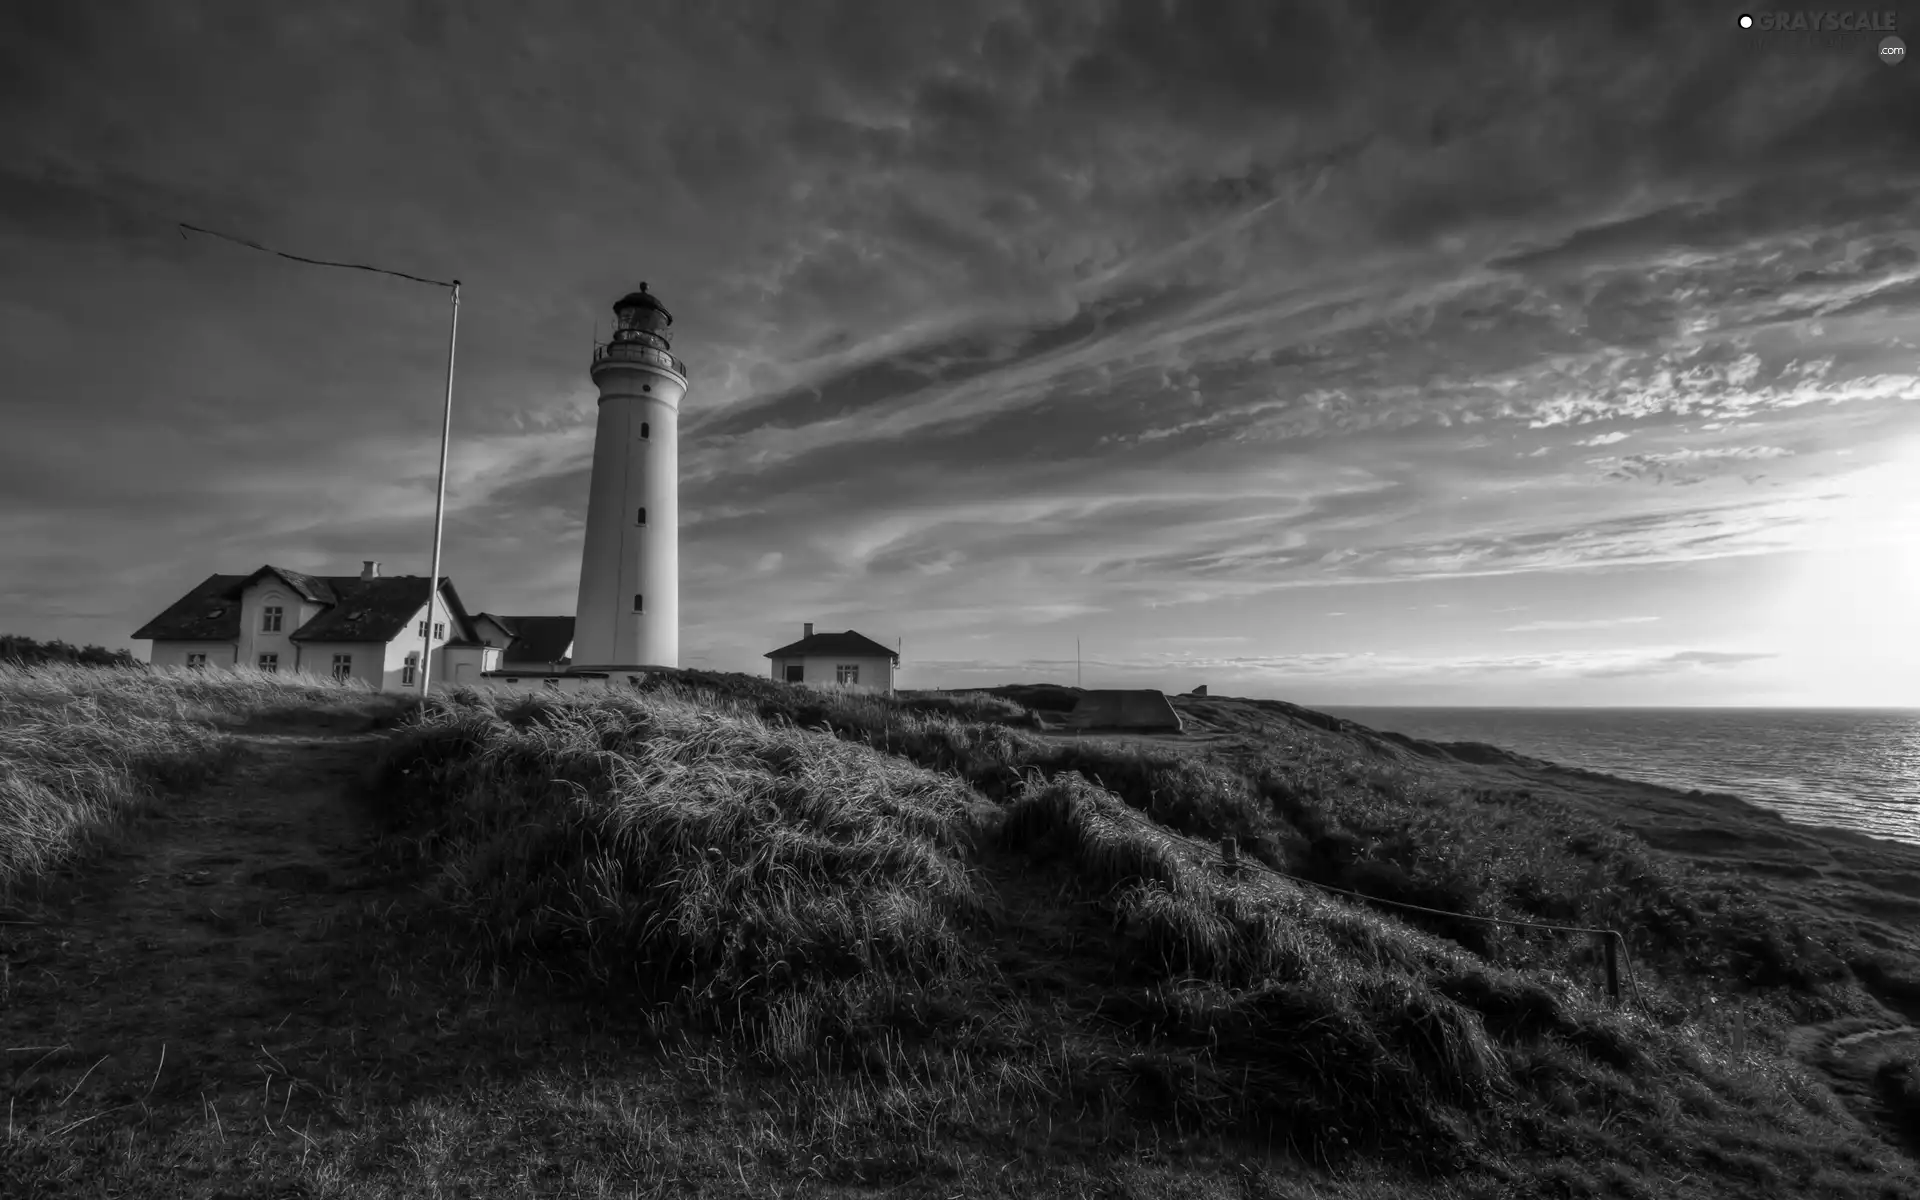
(1847, 619)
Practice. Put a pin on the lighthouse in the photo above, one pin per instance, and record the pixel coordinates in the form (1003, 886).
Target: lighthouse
(628, 613)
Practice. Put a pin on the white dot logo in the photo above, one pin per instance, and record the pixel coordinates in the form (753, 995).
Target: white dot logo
(1746, 20)
(1892, 51)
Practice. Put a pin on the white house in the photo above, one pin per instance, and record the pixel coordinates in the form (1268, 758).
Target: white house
(848, 660)
(367, 626)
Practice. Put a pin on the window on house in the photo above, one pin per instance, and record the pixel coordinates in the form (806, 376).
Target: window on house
(439, 630)
(406, 671)
(641, 519)
(270, 663)
(196, 661)
(422, 631)
(342, 666)
(646, 431)
(636, 603)
(270, 619)
(846, 673)
(796, 673)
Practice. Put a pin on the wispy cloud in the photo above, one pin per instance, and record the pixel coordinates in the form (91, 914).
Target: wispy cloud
(1563, 626)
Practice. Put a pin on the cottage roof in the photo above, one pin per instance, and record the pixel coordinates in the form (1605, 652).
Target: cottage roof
(312, 588)
(356, 609)
(535, 639)
(208, 613)
(848, 645)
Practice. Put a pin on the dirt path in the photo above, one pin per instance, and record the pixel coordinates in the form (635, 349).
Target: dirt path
(197, 964)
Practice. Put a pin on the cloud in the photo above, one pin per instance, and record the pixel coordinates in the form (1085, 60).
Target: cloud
(1680, 661)
(1562, 626)
(1659, 467)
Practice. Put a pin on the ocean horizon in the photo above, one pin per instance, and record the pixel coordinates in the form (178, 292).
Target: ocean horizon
(1853, 768)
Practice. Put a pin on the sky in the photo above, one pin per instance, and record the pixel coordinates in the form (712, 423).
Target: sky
(1403, 352)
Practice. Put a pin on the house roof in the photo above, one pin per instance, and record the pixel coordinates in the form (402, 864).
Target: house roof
(535, 639)
(312, 588)
(357, 610)
(848, 644)
(208, 613)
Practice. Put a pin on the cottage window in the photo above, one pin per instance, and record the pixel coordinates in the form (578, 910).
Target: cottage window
(196, 661)
(439, 630)
(270, 663)
(421, 631)
(342, 666)
(796, 673)
(270, 619)
(846, 673)
(637, 607)
(407, 669)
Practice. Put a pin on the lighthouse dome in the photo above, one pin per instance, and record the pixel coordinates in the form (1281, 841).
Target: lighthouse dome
(636, 310)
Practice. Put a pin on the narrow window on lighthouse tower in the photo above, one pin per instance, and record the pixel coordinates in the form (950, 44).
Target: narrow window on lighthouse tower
(636, 603)
(645, 430)
(641, 519)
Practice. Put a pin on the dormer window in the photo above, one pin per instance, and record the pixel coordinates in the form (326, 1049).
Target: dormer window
(270, 619)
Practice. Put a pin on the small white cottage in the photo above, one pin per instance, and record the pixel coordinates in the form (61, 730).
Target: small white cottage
(848, 660)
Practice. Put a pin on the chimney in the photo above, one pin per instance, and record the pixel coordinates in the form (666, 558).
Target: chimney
(809, 628)
(369, 569)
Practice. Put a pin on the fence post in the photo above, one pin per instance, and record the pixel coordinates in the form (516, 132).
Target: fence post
(1613, 967)
(1230, 856)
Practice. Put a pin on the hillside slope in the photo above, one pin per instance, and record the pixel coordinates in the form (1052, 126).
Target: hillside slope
(725, 937)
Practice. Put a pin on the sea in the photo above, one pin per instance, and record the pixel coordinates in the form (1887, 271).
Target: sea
(1853, 768)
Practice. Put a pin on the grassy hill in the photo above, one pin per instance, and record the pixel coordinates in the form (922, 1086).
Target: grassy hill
(722, 936)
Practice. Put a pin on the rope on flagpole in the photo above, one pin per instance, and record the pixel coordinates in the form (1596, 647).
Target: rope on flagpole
(318, 262)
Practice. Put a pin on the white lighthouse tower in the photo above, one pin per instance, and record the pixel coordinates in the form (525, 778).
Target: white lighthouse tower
(628, 615)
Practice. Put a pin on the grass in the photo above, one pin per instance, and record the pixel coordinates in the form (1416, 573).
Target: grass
(83, 749)
(915, 941)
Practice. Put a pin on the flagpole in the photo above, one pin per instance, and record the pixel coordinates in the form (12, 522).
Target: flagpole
(446, 421)
(440, 503)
